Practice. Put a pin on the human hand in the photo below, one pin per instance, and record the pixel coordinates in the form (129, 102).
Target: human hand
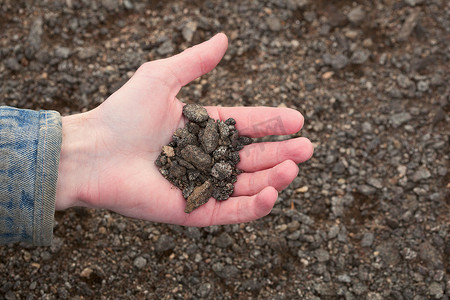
(108, 154)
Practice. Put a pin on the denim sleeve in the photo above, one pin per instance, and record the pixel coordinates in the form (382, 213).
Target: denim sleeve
(30, 145)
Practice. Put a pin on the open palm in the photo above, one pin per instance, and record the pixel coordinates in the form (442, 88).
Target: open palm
(123, 137)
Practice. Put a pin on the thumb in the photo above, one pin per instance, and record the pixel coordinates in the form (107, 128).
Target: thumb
(198, 60)
(179, 70)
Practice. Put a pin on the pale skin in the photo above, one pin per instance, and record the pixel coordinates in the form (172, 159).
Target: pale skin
(108, 154)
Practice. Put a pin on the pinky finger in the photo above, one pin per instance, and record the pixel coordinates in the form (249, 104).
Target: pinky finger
(245, 208)
(279, 177)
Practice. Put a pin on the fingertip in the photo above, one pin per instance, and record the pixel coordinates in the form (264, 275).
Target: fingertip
(290, 171)
(310, 148)
(303, 150)
(291, 167)
(265, 201)
(284, 173)
(219, 45)
(293, 119)
(300, 120)
(222, 36)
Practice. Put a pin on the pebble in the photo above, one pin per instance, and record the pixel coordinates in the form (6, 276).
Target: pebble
(344, 278)
(87, 52)
(36, 31)
(253, 285)
(62, 52)
(389, 253)
(281, 227)
(12, 64)
(337, 62)
(10, 296)
(293, 226)
(327, 75)
(322, 255)
(188, 30)
(111, 4)
(62, 293)
(333, 232)
(356, 15)
(166, 48)
(413, 2)
(367, 43)
(404, 82)
(225, 272)
(359, 57)
(224, 240)
(375, 182)
(383, 59)
(86, 273)
(337, 206)
(366, 127)
(352, 34)
(423, 86)
(273, 23)
(325, 289)
(374, 296)
(367, 239)
(165, 243)
(430, 255)
(437, 80)
(128, 4)
(359, 288)
(421, 174)
(294, 235)
(408, 26)
(302, 189)
(140, 262)
(302, 218)
(409, 254)
(400, 118)
(366, 190)
(436, 290)
(204, 290)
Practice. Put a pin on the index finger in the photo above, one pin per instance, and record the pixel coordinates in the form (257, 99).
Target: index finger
(260, 121)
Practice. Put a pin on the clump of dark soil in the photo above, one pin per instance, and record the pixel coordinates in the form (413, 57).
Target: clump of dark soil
(201, 159)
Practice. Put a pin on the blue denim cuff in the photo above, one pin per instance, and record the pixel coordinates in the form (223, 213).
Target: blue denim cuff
(30, 145)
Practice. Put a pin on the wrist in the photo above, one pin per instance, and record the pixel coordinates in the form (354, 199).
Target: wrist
(73, 162)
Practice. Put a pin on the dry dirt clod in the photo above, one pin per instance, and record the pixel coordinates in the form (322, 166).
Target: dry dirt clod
(210, 138)
(199, 196)
(197, 157)
(222, 170)
(195, 113)
(168, 151)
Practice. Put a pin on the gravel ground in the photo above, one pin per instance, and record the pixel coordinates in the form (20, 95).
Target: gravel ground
(368, 215)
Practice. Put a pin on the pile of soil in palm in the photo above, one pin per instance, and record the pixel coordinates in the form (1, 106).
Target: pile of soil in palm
(201, 159)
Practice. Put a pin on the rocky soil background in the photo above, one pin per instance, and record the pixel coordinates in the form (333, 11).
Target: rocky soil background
(368, 215)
